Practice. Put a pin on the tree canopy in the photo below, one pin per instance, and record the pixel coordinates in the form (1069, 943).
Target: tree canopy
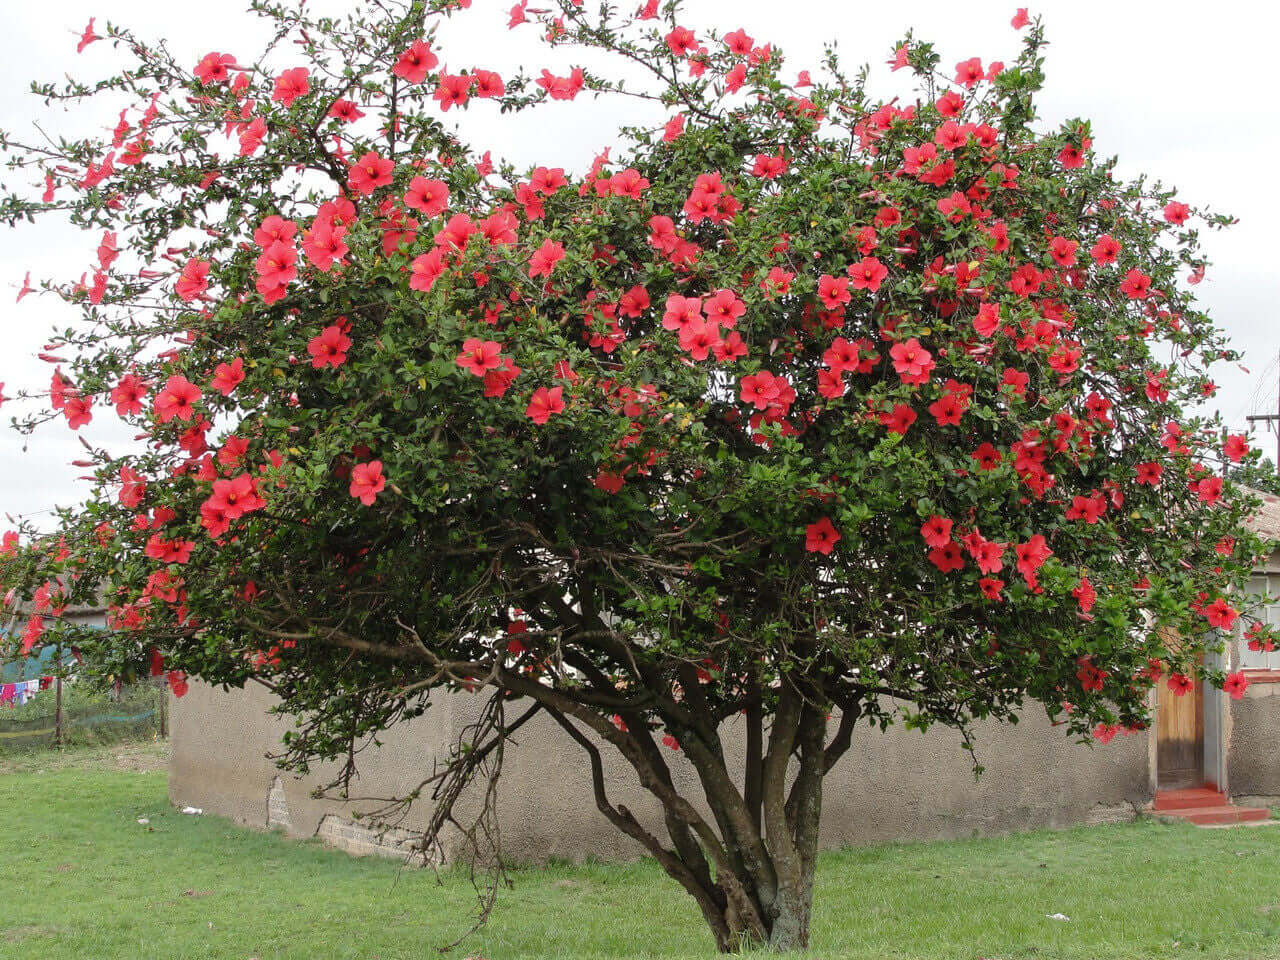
(805, 405)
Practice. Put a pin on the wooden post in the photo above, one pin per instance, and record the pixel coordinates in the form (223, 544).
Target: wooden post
(57, 684)
(57, 715)
(164, 709)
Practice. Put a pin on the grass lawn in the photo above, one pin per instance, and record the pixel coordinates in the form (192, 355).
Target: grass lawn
(83, 879)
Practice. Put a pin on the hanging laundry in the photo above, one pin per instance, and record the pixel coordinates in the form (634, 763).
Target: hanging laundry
(46, 683)
(7, 693)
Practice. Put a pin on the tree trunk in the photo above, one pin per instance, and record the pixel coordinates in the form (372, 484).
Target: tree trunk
(784, 906)
(786, 923)
(750, 866)
(792, 909)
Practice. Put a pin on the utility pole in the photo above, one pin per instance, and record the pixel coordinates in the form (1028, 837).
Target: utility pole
(1269, 418)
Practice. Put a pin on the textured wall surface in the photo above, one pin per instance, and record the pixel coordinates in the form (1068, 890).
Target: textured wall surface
(1253, 754)
(896, 785)
(219, 745)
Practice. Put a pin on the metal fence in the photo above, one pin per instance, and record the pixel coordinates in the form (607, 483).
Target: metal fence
(73, 713)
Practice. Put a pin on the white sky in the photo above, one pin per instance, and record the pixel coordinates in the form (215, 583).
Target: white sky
(1177, 90)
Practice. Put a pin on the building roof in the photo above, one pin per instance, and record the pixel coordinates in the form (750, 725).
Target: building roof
(1266, 522)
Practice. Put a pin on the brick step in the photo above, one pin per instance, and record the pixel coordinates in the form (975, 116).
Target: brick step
(1205, 816)
(1189, 799)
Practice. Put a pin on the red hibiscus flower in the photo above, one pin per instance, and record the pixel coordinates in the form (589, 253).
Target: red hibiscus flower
(453, 91)
(228, 376)
(213, 67)
(868, 274)
(1180, 684)
(177, 399)
(416, 62)
(479, 356)
(724, 308)
(1148, 473)
(235, 497)
(947, 557)
(367, 481)
(1136, 285)
(1176, 213)
(1221, 614)
(544, 403)
(329, 347)
(545, 258)
(988, 320)
(193, 281)
(291, 85)
(1235, 685)
(1105, 250)
(429, 197)
(900, 419)
(833, 291)
(369, 173)
(936, 531)
(991, 587)
(128, 394)
(1235, 447)
(821, 537)
(426, 270)
(911, 361)
(1031, 557)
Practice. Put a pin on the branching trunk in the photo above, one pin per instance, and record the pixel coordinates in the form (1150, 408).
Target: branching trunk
(756, 889)
(788, 831)
(750, 865)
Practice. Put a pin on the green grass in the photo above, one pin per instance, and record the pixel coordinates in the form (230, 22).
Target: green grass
(83, 879)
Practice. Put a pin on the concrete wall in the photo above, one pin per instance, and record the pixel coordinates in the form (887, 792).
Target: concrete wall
(219, 743)
(1253, 754)
(895, 785)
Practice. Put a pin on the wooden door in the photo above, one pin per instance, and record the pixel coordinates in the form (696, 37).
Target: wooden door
(1179, 739)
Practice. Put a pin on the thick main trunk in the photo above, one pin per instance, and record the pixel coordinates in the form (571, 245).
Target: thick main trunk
(782, 907)
(786, 925)
(750, 867)
(792, 909)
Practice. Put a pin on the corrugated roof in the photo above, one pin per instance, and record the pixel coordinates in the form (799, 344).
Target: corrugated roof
(1266, 522)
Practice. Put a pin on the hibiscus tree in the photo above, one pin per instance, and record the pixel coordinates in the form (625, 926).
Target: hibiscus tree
(801, 412)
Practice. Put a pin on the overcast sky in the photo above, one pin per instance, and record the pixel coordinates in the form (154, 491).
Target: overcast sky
(1182, 96)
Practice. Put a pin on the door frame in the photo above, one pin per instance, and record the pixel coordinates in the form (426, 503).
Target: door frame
(1214, 722)
(1214, 705)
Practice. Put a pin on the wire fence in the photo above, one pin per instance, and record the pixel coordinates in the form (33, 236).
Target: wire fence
(79, 715)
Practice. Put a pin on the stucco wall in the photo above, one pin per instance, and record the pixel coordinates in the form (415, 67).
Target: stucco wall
(1254, 751)
(899, 784)
(219, 744)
